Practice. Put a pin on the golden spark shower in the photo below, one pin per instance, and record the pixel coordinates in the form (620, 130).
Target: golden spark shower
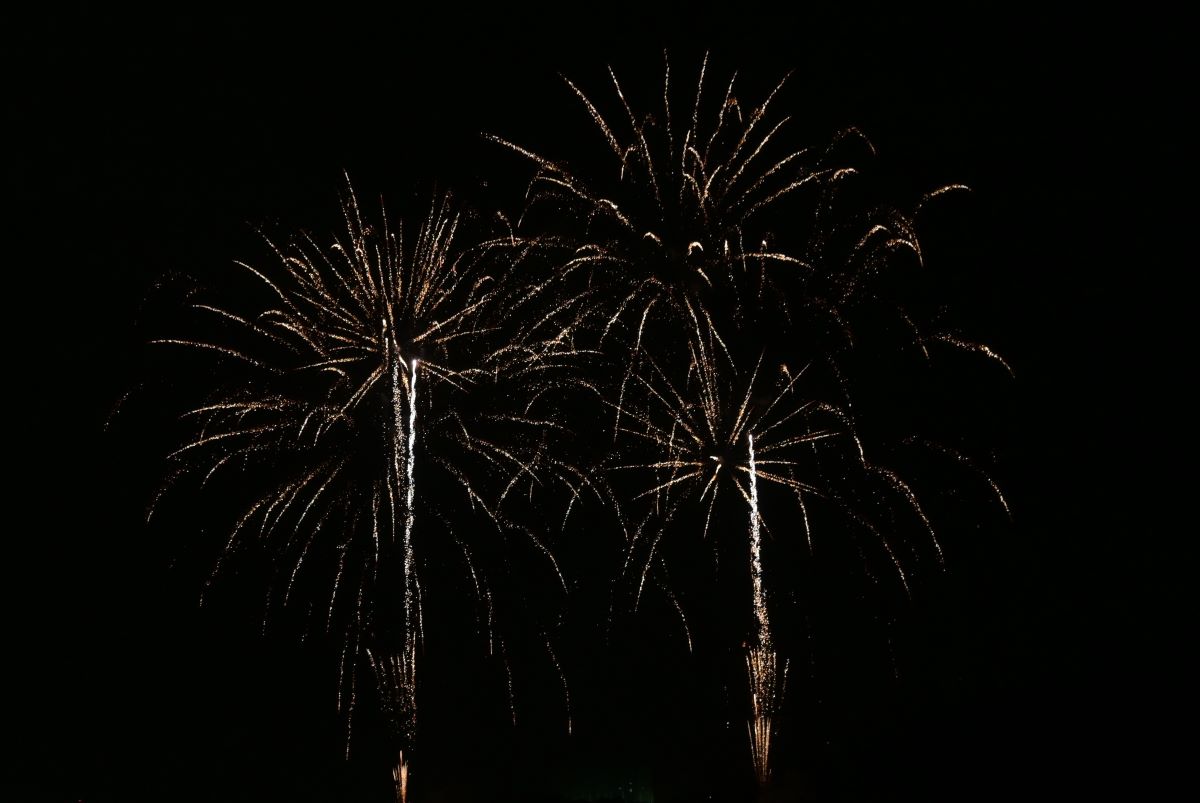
(671, 329)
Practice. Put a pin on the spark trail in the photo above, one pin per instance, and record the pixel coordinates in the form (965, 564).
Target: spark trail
(762, 662)
(403, 445)
(756, 567)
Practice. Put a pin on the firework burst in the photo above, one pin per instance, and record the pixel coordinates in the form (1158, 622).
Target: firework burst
(379, 364)
(704, 257)
(720, 433)
(706, 226)
(673, 230)
(721, 449)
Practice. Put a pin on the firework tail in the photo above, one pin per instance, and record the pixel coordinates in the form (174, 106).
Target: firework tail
(400, 776)
(404, 440)
(764, 675)
(767, 680)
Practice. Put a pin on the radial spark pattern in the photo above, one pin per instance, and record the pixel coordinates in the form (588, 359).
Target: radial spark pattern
(377, 363)
(708, 279)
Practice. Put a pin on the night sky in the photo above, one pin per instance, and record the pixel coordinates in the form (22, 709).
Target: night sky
(144, 151)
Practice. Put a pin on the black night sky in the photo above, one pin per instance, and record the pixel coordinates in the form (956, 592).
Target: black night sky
(145, 148)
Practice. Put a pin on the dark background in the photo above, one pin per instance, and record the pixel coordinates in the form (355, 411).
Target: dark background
(145, 146)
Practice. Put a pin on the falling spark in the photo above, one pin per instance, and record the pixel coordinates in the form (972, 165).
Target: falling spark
(565, 688)
(979, 348)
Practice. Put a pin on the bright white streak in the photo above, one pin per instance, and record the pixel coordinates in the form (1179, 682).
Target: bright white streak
(760, 600)
(409, 490)
(411, 613)
(404, 447)
(761, 659)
